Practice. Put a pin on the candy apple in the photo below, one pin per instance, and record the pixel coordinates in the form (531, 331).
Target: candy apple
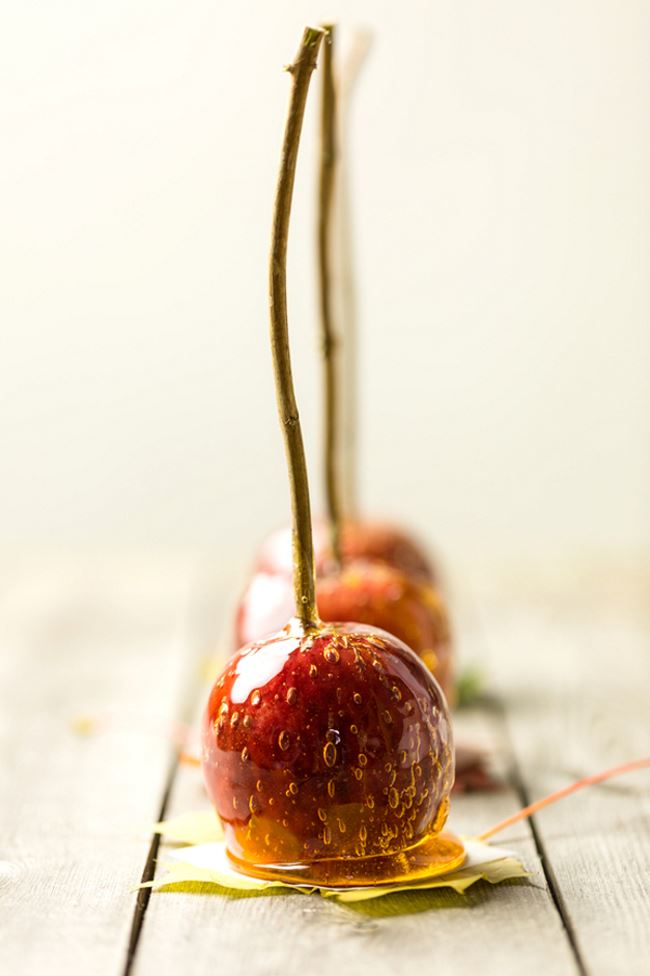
(328, 756)
(327, 748)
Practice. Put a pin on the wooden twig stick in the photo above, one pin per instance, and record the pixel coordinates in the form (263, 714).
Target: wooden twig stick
(303, 547)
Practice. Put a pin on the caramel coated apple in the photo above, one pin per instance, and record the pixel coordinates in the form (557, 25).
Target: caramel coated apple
(376, 541)
(328, 757)
(365, 592)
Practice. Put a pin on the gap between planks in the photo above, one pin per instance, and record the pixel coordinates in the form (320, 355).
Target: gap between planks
(144, 894)
(206, 632)
(92, 658)
(525, 799)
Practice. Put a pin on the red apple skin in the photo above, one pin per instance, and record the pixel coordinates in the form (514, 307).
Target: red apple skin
(372, 540)
(365, 592)
(335, 744)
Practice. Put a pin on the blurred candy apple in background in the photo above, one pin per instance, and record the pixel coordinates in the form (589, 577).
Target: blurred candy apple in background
(369, 592)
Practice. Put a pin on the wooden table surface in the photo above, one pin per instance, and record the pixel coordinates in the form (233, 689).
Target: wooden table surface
(99, 655)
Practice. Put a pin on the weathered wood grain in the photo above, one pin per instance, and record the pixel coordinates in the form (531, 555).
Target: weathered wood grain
(83, 638)
(570, 667)
(575, 677)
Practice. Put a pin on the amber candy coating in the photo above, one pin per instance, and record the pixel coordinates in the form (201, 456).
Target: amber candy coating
(360, 539)
(365, 592)
(329, 758)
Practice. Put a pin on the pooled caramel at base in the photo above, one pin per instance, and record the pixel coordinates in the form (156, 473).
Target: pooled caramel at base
(428, 858)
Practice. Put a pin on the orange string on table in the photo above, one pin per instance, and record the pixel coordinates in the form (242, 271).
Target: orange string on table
(545, 801)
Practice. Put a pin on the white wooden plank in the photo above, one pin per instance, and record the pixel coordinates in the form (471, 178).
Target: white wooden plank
(83, 637)
(576, 678)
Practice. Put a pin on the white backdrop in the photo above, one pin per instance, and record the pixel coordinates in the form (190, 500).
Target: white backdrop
(502, 225)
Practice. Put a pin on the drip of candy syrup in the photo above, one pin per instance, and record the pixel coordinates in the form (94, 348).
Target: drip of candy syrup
(329, 759)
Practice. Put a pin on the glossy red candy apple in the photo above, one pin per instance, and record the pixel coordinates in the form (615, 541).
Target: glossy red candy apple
(328, 757)
(360, 539)
(327, 748)
(365, 592)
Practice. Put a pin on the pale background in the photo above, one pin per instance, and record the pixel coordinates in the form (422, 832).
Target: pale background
(501, 155)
